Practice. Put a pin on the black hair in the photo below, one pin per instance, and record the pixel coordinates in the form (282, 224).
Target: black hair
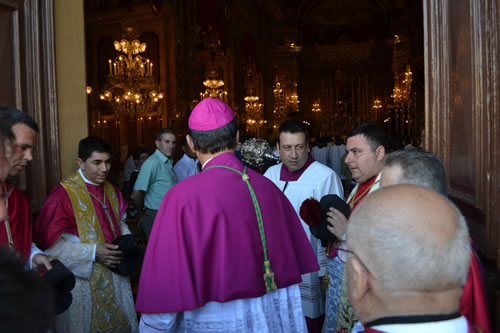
(14, 116)
(91, 144)
(374, 134)
(419, 168)
(293, 126)
(164, 131)
(6, 133)
(139, 151)
(27, 301)
(216, 140)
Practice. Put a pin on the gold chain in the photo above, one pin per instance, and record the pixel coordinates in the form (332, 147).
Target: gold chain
(356, 199)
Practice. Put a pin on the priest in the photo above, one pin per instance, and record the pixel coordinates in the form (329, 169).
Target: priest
(367, 145)
(227, 250)
(299, 177)
(77, 224)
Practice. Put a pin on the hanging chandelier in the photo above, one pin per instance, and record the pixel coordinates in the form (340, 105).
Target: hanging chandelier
(214, 88)
(131, 87)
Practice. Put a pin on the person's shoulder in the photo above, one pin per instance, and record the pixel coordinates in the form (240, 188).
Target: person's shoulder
(149, 163)
(57, 193)
(321, 168)
(273, 170)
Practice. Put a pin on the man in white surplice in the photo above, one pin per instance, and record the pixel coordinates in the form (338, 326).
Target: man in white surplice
(299, 177)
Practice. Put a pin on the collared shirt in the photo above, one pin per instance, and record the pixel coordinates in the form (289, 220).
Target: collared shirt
(453, 325)
(156, 178)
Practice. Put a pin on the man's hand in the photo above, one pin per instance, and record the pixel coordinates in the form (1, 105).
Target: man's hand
(108, 255)
(337, 223)
(40, 261)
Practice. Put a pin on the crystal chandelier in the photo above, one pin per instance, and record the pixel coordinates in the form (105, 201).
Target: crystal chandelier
(131, 87)
(213, 88)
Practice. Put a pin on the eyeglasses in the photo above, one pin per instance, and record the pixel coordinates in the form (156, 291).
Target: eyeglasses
(342, 252)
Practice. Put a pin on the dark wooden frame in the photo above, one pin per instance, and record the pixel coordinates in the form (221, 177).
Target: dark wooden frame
(480, 206)
(37, 94)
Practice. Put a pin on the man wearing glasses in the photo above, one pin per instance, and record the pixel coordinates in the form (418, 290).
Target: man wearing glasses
(16, 230)
(407, 261)
(418, 167)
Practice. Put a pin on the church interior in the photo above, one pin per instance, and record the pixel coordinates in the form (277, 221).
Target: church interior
(122, 69)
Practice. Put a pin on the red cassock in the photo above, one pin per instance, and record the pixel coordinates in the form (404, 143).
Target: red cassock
(57, 216)
(20, 222)
(473, 304)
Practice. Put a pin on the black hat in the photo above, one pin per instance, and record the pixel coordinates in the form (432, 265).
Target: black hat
(319, 229)
(62, 281)
(132, 255)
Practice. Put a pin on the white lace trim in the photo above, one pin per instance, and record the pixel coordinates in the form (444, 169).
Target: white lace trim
(278, 311)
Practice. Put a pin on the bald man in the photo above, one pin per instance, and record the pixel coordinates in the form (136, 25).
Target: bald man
(418, 167)
(417, 289)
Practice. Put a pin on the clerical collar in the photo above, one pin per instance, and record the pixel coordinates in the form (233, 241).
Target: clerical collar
(292, 176)
(206, 162)
(85, 179)
(415, 319)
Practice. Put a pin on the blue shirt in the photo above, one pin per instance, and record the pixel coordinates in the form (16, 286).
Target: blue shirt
(156, 177)
(186, 167)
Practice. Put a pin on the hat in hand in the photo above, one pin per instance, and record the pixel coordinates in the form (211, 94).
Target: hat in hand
(132, 255)
(62, 281)
(314, 214)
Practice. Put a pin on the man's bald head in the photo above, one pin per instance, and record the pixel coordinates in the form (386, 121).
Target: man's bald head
(412, 241)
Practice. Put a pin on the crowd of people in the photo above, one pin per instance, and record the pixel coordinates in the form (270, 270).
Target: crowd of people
(227, 248)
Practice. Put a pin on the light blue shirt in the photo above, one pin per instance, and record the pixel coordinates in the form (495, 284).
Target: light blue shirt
(186, 167)
(156, 178)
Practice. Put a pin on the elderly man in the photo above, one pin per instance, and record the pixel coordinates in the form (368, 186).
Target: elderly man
(366, 148)
(155, 178)
(407, 255)
(299, 177)
(413, 166)
(17, 233)
(77, 224)
(227, 250)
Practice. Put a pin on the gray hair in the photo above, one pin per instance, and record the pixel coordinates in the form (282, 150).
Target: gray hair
(419, 168)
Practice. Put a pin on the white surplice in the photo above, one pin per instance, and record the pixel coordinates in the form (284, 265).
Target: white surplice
(276, 311)
(317, 181)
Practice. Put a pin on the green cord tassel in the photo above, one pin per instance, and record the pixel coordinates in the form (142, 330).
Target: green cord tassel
(269, 277)
(268, 272)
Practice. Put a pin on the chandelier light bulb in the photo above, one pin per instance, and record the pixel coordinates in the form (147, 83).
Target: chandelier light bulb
(131, 87)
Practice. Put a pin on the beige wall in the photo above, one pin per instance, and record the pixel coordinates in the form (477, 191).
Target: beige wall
(71, 80)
